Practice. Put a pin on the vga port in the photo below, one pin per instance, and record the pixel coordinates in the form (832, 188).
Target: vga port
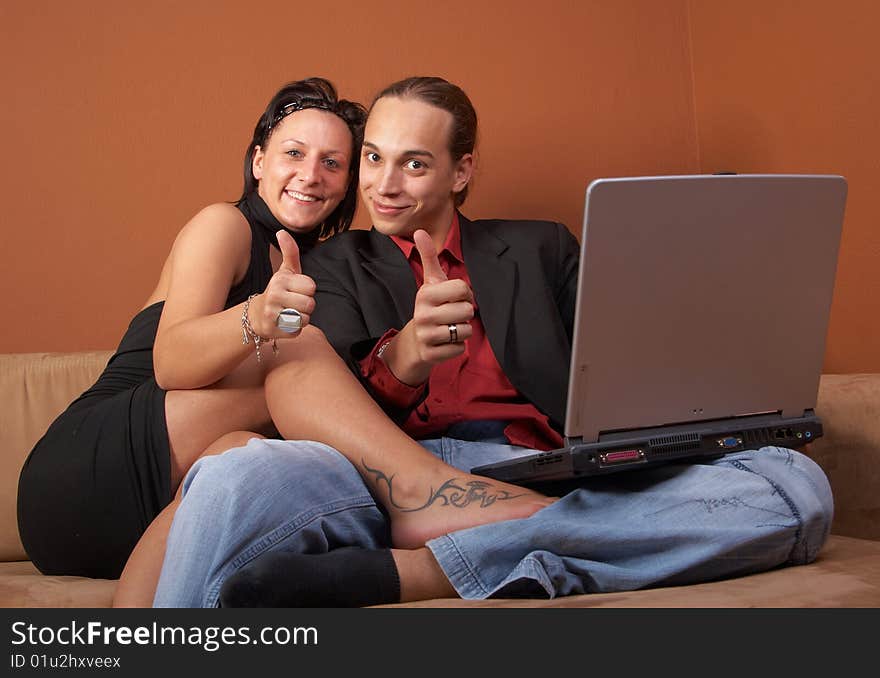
(730, 442)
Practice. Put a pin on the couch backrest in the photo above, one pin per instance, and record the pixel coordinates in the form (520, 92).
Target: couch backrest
(34, 389)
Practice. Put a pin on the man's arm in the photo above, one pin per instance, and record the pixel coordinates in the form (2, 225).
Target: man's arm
(440, 303)
(397, 379)
(339, 316)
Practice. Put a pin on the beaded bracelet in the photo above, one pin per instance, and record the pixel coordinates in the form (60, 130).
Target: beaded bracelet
(247, 331)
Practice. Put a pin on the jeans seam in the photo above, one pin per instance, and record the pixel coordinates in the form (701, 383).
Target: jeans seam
(445, 450)
(468, 568)
(791, 505)
(533, 569)
(529, 567)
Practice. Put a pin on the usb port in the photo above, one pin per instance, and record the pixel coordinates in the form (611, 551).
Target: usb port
(621, 457)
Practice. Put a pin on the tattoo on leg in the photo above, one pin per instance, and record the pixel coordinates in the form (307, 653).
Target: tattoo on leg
(450, 493)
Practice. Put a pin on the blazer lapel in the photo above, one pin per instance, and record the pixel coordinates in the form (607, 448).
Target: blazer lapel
(528, 340)
(385, 263)
(493, 282)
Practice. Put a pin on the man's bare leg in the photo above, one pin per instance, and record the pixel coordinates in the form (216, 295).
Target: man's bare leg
(424, 497)
(421, 577)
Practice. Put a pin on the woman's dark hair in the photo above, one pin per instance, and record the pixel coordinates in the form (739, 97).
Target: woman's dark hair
(296, 96)
(442, 94)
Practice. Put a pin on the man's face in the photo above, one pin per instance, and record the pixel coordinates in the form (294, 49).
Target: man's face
(408, 179)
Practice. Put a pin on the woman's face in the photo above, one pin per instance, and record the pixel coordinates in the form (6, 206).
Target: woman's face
(303, 168)
(408, 179)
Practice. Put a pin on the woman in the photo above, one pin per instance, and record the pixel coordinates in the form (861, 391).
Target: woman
(190, 369)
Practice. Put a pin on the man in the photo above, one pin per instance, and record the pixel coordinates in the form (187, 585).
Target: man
(461, 331)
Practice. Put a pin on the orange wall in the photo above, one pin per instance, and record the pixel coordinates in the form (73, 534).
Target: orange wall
(121, 120)
(795, 87)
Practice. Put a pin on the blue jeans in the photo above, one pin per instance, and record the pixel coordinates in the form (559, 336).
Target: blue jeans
(680, 524)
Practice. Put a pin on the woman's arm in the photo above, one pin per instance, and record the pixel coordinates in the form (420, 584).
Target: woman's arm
(198, 342)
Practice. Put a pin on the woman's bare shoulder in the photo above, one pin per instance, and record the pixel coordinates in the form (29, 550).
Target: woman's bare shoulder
(217, 233)
(219, 220)
(221, 214)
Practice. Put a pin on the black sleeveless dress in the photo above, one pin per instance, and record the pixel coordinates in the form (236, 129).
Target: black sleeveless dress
(101, 473)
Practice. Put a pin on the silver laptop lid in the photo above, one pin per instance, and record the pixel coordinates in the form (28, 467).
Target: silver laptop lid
(702, 297)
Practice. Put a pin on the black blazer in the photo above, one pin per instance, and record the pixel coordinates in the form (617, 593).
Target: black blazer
(524, 278)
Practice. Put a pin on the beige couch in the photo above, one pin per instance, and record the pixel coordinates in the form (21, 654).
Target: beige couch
(35, 387)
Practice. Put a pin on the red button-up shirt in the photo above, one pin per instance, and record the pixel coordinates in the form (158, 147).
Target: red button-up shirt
(467, 388)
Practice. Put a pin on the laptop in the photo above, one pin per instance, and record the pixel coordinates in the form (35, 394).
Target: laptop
(702, 311)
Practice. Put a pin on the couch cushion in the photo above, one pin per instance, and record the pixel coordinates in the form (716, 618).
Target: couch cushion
(34, 389)
(21, 585)
(846, 574)
(849, 450)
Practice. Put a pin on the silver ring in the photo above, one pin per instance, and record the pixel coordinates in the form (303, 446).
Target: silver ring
(453, 334)
(289, 320)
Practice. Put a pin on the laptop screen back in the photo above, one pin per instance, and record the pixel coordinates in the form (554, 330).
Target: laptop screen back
(701, 297)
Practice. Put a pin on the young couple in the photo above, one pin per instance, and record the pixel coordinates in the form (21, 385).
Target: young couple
(460, 331)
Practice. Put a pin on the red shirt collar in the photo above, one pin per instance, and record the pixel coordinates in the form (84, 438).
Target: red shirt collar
(452, 244)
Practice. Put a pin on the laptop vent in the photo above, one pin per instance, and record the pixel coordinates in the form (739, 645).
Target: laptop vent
(675, 444)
